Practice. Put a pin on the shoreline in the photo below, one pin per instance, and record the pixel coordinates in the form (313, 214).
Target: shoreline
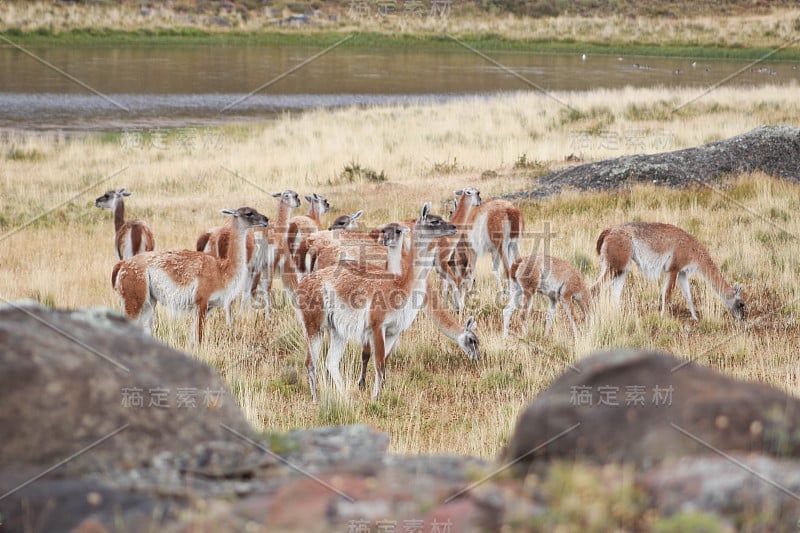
(486, 42)
(589, 116)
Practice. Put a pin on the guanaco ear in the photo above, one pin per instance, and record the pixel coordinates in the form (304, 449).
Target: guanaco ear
(229, 212)
(316, 196)
(459, 192)
(737, 289)
(471, 325)
(123, 192)
(308, 198)
(426, 208)
(277, 195)
(356, 215)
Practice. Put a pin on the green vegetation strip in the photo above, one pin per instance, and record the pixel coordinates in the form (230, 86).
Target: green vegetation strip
(484, 42)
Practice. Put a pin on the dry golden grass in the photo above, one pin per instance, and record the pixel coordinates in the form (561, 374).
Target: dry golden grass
(435, 400)
(774, 28)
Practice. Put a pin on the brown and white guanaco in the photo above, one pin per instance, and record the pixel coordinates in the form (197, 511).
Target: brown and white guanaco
(186, 279)
(131, 237)
(556, 279)
(661, 249)
(361, 304)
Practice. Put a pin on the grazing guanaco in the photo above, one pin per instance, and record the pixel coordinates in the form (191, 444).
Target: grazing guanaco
(360, 249)
(657, 249)
(131, 237)
(186, 279)
(466, 337)
(552, 277)
(365, 304)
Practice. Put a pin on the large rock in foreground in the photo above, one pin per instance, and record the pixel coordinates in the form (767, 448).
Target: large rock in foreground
(77, 379)
(79, 453)
(643, 407)
(773, 150)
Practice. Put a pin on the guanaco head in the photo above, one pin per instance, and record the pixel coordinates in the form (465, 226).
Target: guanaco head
(347, 222)
(469, 194)
(247, 217)
(288, 197)
(736, 303)
(319, 203)
(468, 340)
(430, 226)
(110, 198)
(391, 234)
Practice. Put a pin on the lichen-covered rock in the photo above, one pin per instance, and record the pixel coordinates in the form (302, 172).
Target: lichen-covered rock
(642, 407)
(773, 150)
(356, 448)
(764, 489)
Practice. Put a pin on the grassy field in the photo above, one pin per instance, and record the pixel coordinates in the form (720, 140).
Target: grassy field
(57, 247)
(740, 33)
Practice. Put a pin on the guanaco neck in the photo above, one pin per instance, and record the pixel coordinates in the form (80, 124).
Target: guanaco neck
(282, 218)
(314, 213)
(394, 257)
(417, 264)
(119, 214)
(235, 260)
(462, 211)
(459, 218)
(436, 310)
(712, 273)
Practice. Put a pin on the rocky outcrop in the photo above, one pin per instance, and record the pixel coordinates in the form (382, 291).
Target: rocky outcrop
(76, 455)
(773, 150)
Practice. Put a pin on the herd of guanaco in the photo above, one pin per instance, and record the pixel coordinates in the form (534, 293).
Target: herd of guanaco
(369, 286)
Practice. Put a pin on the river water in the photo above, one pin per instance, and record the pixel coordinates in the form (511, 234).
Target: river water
(113, 88)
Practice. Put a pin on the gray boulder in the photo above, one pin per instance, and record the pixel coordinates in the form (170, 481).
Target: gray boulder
(643, 407)
(91, 381)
